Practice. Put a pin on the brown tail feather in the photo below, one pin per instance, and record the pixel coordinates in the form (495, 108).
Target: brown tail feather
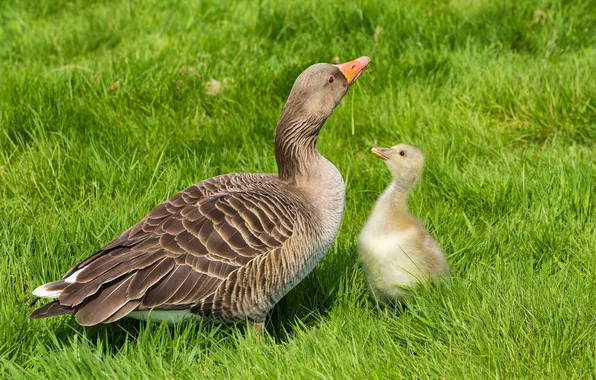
(51, 310)
(54, 286)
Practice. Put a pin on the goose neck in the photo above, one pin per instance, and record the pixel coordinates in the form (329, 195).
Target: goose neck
(296, 145)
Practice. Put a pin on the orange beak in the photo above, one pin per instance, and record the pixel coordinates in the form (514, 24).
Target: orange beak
(352, 70)
(381, 153)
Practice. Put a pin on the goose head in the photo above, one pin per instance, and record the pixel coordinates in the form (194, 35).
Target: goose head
(405, 162)
(314, 96)
(321, 87)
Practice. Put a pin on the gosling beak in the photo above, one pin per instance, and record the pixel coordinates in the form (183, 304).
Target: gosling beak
(352, 70)
(381, 153)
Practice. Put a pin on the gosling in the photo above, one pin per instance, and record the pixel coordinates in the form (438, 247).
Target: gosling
(396, 251)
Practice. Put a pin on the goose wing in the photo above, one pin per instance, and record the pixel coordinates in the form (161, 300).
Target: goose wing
(186, 253)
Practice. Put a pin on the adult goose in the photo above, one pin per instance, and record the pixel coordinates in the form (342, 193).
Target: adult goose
(229, 247)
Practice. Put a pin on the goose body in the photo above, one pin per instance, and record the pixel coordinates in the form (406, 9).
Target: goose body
(396, 251)
(229, 247)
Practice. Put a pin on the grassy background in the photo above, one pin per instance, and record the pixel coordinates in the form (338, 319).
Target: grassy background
(106, 110)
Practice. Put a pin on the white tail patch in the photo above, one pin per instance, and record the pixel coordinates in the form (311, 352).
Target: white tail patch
(53, 289)
(170, 316)
(73, 277)
(42, 292)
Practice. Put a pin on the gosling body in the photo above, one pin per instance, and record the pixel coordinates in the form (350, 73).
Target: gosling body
(396, 250)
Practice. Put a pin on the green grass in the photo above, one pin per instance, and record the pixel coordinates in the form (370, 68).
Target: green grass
(104, 114)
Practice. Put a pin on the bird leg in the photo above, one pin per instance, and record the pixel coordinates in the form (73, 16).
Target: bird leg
(258, 327)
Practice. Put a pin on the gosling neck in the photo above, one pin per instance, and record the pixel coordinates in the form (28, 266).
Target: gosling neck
(296, 143)
(397, 197)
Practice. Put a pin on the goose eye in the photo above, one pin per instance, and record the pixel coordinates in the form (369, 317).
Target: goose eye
(331, 79)
(402, 153)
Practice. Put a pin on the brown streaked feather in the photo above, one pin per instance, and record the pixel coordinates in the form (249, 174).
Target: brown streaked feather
(167, 287)
(55, 286)
(51, 310)
(187, 286)
(158, 212)
(107, 263)
(103, 305)
(221, 269)
(189, 242)
(147, 277)
(204, 286)
(102, 252)
(76, 293)
(170, 246)
(123, 312)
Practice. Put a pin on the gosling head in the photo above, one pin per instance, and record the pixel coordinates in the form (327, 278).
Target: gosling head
(405, 162)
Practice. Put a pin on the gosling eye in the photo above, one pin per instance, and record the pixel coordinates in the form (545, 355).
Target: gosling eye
(402, 153)
(331, 79)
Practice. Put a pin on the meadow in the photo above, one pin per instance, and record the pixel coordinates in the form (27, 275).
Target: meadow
(109, 107)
